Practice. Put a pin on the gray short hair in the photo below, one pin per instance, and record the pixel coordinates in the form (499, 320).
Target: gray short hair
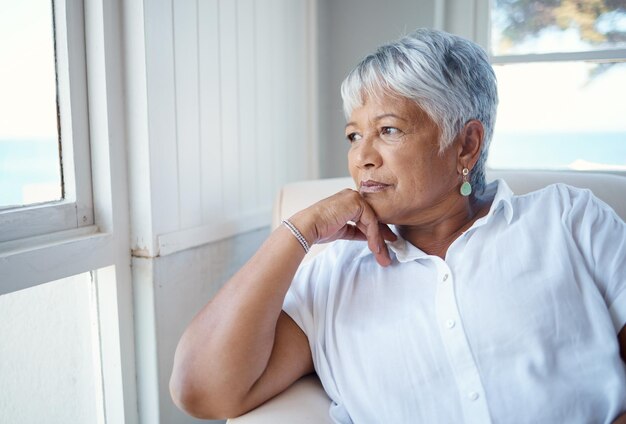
(449, 77)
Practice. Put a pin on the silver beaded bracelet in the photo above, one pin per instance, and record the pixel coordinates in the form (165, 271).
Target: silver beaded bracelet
(298, 235)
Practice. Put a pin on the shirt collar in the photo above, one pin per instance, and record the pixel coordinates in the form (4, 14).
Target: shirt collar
(501, 200)
(403, 250)
(406, 252)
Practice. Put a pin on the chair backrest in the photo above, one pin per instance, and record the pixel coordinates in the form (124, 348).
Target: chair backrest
(610, 188)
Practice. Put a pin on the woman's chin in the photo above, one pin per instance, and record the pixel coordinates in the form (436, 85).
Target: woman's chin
(387, 210)
(385, 216)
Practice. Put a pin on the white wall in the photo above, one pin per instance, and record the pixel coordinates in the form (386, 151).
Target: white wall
(222, 112)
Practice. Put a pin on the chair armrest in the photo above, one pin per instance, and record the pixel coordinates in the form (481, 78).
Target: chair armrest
(304, 402)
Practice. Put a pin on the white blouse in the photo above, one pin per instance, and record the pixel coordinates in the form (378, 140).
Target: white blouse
(518, 325)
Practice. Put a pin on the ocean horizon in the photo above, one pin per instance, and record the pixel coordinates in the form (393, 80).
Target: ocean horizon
(28, 165)
(578, 151)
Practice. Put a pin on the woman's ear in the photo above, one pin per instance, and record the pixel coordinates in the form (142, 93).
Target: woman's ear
(470, 143)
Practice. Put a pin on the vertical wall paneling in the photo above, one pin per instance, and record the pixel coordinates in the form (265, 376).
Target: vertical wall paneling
(247, 104)
(210, 110)
(312, 84)
(299, 89)
(238, 126)
(281, 106)
(162, 115)
(185, 16)
(229, 103)
(291, 69)
(265, 98)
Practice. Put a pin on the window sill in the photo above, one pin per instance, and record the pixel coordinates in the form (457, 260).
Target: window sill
(36, 260)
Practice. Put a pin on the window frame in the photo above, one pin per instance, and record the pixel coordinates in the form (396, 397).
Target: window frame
(95, 91)
(588, 55)
(75, 210)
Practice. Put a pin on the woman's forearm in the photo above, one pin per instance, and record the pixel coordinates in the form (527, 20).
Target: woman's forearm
(227, 346)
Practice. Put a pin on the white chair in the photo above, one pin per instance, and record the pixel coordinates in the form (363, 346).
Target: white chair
(305, 401)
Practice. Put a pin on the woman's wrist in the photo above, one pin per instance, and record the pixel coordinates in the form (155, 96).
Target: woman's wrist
(305, 226)
(298, 235)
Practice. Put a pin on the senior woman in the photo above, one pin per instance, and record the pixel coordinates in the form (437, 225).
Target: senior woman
(446, 300)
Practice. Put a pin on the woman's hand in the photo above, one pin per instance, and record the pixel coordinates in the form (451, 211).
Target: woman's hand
(345, 215)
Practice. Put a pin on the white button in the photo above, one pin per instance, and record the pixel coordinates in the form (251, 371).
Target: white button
(472, 396)
(450, 323)
(445, 277)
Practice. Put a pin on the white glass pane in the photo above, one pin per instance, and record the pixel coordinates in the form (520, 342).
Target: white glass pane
(548, 26)
(29, 144)
(47, 371)
(560, 115)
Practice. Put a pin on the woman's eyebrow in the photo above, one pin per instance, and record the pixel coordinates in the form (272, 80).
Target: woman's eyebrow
(379, 117)
(389, 115)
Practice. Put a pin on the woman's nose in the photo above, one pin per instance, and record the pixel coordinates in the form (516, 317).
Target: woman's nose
(367, 154)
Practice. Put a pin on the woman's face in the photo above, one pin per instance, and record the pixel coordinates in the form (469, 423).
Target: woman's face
(395, 161)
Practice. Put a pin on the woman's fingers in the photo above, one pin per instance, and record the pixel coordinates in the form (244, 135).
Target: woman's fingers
(351, 232)
(369, 225)
(387, 233)
(333, 218)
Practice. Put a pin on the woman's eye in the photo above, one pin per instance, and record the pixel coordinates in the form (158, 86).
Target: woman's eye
(390, 132)
(353, 137)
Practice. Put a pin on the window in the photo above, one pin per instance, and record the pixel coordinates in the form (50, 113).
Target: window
(30, 169)
(561, 69)
(45, 187)
(45, 180)
(51, 253)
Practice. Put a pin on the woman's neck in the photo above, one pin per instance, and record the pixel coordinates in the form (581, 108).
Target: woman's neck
(436, 237)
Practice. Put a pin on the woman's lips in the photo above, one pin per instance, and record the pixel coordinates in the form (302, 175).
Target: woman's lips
(370, 186)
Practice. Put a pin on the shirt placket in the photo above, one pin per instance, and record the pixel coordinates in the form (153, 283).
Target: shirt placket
(450, 324)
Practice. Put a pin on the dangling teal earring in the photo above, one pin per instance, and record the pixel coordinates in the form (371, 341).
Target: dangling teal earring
(466, 187)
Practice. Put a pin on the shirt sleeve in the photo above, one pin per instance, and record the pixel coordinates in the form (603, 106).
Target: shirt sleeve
(299, 300)
(309, 290)
(601, 237)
